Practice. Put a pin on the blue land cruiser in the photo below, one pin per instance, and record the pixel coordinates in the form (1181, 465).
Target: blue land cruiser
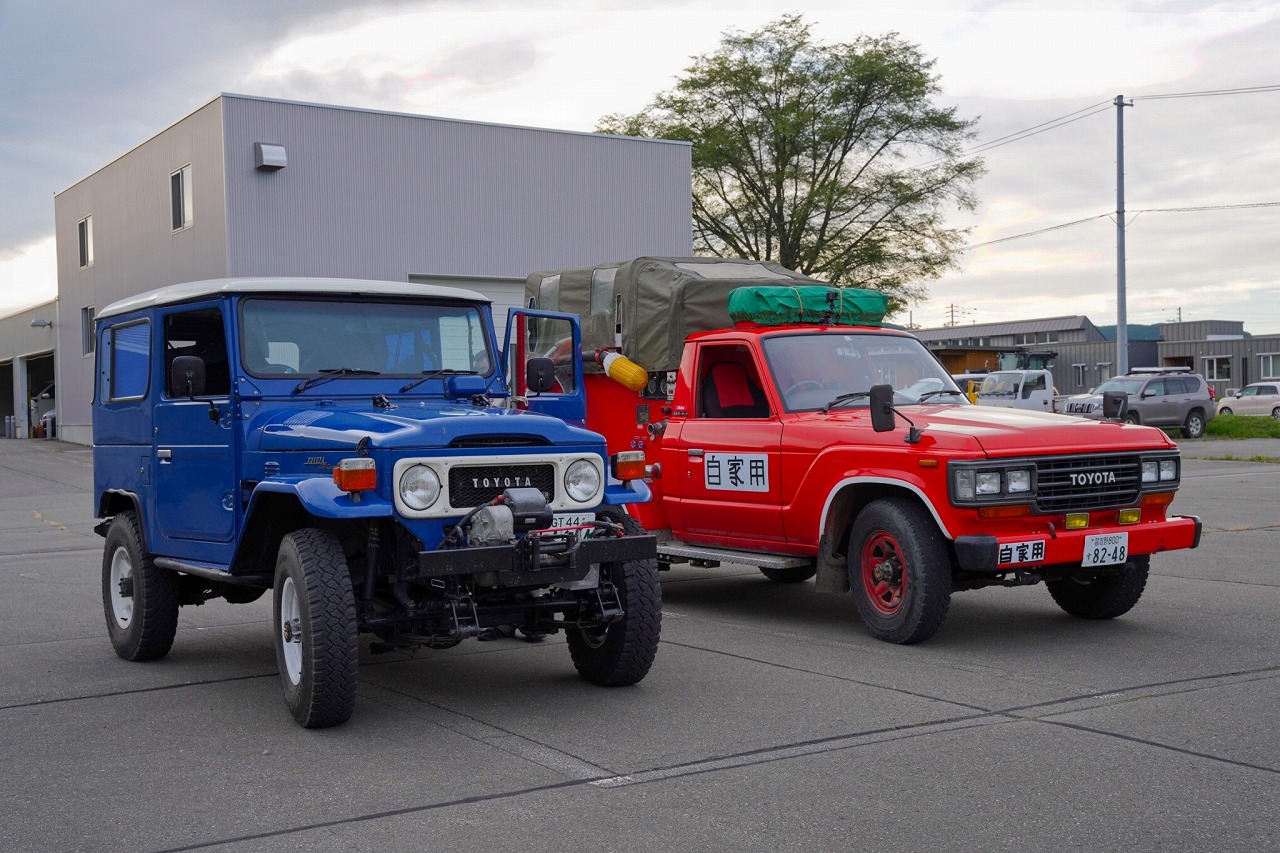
(356, 446)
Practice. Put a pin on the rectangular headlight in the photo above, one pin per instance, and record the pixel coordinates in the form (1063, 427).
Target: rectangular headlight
(964, 485)
(1168, 469)
(1150, 471)
(988, 483)
(1018, 480)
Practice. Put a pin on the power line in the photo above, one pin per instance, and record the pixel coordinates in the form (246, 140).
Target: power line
(1035, 131)
(1074, 222)
(1241, 90)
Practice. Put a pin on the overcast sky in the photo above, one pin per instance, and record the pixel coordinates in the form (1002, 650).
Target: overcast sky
(83, 81)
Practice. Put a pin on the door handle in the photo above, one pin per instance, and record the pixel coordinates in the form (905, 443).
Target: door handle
(695, 452)
(164, 455)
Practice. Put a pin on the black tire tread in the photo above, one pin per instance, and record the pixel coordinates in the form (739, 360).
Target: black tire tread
(326, 693)
(630, 646)
(929, 588)
(1106, 597)
(154, 626)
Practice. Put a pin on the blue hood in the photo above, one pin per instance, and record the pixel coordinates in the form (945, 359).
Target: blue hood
(321, 428)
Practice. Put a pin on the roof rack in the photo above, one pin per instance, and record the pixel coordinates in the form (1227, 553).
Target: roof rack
(1170, 369)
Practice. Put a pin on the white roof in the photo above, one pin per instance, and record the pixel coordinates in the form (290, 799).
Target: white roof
(194, 290)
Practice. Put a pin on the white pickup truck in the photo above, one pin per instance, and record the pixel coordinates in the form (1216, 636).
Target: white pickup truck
(1017, 389)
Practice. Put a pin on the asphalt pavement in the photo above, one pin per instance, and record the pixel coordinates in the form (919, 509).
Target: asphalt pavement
(770, 721)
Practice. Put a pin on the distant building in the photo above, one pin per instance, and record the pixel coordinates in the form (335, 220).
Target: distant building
(253, 186)
(27, 341)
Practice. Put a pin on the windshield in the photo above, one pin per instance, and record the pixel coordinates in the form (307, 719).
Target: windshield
(1128, 386)
(335, 337)
(812, 370)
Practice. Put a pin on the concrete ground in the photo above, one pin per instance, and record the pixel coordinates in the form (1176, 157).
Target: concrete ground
(771, 719)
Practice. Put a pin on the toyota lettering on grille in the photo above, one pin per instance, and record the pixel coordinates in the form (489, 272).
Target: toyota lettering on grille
(1093, 478)
(501, 482)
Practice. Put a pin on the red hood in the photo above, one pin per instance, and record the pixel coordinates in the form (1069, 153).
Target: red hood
(1009, 432)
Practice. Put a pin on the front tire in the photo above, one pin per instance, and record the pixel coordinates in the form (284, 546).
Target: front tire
(316, 638)
(1226, 410)
(139, 600)
(899, 571)
(1194, 427)
(1103, 597)
(795, 574)
(621, 653)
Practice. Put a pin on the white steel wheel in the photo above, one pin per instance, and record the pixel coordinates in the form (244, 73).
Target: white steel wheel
(291, 632)
(121, 578)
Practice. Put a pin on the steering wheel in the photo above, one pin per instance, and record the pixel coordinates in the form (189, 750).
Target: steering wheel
(802, 383)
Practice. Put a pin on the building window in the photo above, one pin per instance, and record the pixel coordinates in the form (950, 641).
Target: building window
(1080, 374)
(1104, 371)
(180, 198)
(1269, 366)
(87, 340)
(85, 229)
(1217, 367)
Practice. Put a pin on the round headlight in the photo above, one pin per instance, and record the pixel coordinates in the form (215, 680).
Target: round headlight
(419, 487)
(582, 481)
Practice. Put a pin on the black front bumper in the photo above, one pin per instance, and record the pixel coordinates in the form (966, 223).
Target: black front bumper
(535, 562)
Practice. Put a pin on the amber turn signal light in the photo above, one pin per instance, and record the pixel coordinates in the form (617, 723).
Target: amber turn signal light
(356, 475)
(627, 465)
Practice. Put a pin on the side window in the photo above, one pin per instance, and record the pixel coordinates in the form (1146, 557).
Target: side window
(1191, 384)
(199, 333)
(1177, 386)
(729, 385)
(549, 293)
(1036, 383)
(129, 371)
(1155, 388)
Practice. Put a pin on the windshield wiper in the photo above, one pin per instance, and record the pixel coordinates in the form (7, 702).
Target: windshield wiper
(333, 373)
(845, 398)
(927, 394)
(436, 374)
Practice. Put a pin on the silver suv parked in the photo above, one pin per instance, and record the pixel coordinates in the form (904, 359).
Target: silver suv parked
(1167, 397)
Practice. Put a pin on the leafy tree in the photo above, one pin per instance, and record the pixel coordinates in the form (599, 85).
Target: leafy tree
(803, 154)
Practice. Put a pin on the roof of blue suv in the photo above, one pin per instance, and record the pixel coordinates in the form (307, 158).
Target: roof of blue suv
(193, 290)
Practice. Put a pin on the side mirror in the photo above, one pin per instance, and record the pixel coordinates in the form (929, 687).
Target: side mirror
(540, 374)
(186, 376)
(882, 417)
(1115, 405)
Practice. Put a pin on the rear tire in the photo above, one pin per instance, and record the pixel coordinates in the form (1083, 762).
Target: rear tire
(316, 638)
(621, 653)
(1104, 597)
(1194, 427)
(1132, 418)
(1226, 410)
(899, 571)
(795, 574)
(1275, 413)
(139, 600)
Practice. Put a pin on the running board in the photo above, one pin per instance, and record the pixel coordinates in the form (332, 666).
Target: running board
(679, 552)
(212, 572)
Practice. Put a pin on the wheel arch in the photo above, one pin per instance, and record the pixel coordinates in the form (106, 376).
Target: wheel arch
(844, 502)
(269, 518)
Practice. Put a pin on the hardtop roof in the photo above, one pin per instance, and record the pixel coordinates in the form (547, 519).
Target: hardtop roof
(193, 290)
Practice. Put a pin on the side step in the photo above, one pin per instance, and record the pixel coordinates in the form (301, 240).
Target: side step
(679, 552)
(213, 572)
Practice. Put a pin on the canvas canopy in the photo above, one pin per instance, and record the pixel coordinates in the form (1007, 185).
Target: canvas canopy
(653, 304)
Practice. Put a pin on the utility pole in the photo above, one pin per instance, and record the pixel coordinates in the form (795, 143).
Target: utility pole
(1122, 327)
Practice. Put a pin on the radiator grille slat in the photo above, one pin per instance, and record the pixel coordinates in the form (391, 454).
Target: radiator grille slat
(473, 485)
(1085, 483)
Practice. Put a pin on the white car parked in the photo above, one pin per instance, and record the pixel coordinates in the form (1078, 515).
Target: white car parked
(1260, 398)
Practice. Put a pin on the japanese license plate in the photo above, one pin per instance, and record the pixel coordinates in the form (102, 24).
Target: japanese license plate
(1105, 549)
(1021, 552)
(572, 519)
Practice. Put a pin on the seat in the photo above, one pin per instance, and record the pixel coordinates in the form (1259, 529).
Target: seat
(728, 392)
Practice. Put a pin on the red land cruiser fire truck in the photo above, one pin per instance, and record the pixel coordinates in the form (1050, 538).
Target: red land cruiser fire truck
(785, 428)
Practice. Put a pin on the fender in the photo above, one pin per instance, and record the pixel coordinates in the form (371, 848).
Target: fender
(897, 483)
(322, 498)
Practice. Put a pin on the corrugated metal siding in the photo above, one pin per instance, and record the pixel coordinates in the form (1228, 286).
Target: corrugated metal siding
(1019, 327)
(383, 196)
(135, 247)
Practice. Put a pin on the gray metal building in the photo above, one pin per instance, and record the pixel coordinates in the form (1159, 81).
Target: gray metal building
(27, 367)
(1219, 350)
(255, 186)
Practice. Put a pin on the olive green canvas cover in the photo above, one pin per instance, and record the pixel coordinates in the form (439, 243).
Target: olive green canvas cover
(656, 302)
